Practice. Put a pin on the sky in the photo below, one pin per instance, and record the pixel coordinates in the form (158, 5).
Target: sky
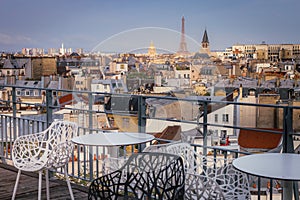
(131, 25)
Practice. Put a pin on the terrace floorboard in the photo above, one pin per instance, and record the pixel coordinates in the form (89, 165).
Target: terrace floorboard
(28, 186)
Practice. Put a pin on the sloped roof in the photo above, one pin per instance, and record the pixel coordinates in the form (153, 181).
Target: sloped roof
(72, 99)
(53, 85)
(199, 55)
(170, 133)
(8, 64)
(36, 84)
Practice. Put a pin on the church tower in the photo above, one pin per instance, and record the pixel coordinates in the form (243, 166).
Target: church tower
(205, 44)
(182, 47)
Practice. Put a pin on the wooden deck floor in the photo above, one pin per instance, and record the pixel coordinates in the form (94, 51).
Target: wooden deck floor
(28, 186)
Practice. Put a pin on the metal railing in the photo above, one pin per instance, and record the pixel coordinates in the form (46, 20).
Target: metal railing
(85, 165)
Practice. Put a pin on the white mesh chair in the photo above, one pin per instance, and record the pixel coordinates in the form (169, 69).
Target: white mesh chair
(223, 181)
(202, 187)
(233, 183)
(197, 184)
(113, 164)
(45, 150)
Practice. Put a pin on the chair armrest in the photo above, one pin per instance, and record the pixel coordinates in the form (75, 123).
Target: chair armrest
(29, 152)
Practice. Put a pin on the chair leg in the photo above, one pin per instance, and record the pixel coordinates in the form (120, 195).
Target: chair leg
(68, 183)
(47, 184)
(16, 185)
(40, 185)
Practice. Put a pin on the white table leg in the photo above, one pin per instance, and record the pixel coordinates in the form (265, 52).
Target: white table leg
(287, 190)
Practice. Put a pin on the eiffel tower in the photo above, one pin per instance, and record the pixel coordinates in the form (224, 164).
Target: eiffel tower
(183, 47)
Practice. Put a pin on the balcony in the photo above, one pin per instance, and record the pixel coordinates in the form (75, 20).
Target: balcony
(96, 112)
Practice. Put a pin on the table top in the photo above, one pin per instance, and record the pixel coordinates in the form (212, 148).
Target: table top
(113, 139)
(284, 166)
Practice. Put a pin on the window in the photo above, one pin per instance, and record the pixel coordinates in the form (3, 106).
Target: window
(225, 118)
(223, 134)
(216, 117)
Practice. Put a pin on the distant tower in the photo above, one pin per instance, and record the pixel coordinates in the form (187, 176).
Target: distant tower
(182, 47)
(62, 50)
(205, 44)
(151, 50)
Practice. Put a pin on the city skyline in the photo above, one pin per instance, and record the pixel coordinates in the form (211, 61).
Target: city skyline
(130, 25)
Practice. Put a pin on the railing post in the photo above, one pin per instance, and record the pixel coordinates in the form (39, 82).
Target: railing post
(288, 147)
(141, 119)
(14, 107)
(288, 144)
(91, 152)
(141, 114)
(90, 112)
(49, 107)
(205, 111)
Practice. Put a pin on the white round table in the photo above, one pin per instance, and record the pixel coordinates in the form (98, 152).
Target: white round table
(113, 139)
(283, 166)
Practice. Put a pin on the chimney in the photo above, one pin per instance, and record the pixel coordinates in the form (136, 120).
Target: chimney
(296, 80)
(277, 83)
(241, 91)
(233, 70)
(231, 79)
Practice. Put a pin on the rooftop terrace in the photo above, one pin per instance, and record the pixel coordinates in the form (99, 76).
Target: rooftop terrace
(85, 159)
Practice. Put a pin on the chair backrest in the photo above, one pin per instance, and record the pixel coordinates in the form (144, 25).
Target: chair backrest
(257, 141)
(145, 175)
(193, 162)
(59, 135)
(158, 147)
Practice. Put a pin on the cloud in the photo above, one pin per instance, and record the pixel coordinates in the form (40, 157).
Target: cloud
(6, 39)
